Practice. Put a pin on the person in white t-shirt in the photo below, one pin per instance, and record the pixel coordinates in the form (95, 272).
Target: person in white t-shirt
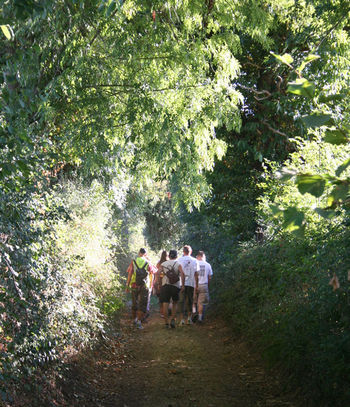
(190, 268)
(202, 290)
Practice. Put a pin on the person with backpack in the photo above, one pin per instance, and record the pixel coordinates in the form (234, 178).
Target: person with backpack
(139, 280)
(173, 281)
(202, 290)
(190, 268)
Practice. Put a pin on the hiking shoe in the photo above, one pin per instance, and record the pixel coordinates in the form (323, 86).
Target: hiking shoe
(139, 325)
(195, 318)
(172, 323)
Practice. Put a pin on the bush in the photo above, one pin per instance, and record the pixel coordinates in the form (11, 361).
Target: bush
(280, 298)
(59, 280)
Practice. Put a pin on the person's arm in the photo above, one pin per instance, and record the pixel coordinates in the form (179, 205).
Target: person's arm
(130, 272)
(196, 280)
(210, 273)
(182, 275)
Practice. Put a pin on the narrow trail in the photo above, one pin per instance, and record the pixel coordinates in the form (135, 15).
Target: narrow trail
(194, 366)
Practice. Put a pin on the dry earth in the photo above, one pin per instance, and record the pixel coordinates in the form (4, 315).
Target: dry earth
(194, 366)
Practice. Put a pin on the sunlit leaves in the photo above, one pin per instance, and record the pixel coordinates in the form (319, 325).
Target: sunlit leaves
(339, 193)
(302, 87)
(336, 137)
(7, 31)
(313, 184)
(286, 59)
(292, 218)
(307, 60)
(326, 213)
(342, 167)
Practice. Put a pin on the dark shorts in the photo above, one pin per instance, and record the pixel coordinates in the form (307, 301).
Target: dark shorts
(186, 299)
(169, 292)
(139, 297)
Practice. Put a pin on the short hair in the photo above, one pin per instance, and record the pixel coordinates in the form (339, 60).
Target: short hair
(173, 254)
(187, 249)
(201, 254)
(142, 251)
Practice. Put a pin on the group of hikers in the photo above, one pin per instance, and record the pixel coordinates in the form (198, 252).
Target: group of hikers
(180, 283)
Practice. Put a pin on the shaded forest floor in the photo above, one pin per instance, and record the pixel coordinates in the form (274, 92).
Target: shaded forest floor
(198, 365)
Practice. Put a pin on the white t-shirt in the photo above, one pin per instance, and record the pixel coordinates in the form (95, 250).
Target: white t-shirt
(205, 270)
(189, 266)
(166, 266)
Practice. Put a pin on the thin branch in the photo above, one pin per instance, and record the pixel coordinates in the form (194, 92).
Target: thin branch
(280, 133)
(14, 276)
(257, 92)
(98, 31)
(145, 58)
(132, 87)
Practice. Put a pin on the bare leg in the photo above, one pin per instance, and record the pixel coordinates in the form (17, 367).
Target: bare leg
(165, 311)
(173, 314)
(200, 311)
(200, 308)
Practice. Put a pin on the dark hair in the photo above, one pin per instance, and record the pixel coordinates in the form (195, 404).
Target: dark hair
(142, 251)
(173, 254)
(201, 254)
(187, 249)
(163, 257)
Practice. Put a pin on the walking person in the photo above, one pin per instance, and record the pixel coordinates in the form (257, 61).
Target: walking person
(190, 268)
(138, 280)
(151, 282)
(173, 282)
(202, 291)
(158, 279)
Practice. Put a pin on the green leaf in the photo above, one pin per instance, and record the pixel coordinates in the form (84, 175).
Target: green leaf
(332, 98)
(276, 211)
(307, 60)
(326, 213)
(302, 87)
(293, 219)
(7, 30)
(286, 174)
(286, 59)
(311, 57)
(336, 137)
(316, 120)
(313, 184)
(111, 8)
(342, 167)
(340, 192)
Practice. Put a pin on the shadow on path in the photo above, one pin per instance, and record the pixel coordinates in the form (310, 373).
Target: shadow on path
(194, 366)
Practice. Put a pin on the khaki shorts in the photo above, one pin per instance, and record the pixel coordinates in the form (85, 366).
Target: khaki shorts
(203, 294)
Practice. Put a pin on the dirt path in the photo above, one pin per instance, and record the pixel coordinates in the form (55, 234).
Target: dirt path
(194, 366)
